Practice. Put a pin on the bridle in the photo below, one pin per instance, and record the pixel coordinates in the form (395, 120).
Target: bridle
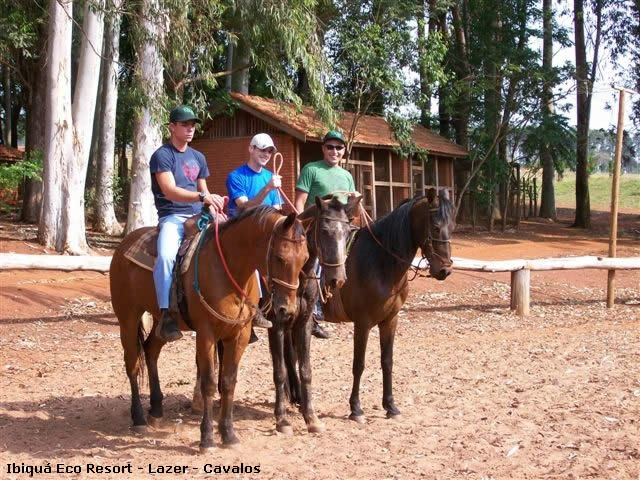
(203, 224)
(429, 252)
(270, 278)
(317, 245)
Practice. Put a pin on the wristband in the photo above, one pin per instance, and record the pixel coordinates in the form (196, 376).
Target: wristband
(202, 196)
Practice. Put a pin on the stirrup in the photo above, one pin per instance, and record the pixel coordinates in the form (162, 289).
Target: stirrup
(167, 328)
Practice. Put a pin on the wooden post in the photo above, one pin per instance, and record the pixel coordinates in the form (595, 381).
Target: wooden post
(520, 283)
(615, 187)
(535, 197)
(517, 196)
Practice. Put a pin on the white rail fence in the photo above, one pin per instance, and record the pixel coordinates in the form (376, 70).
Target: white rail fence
(520, 269)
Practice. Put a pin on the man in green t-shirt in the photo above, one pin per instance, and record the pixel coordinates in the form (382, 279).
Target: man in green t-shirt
(321, 178)
(325, 176)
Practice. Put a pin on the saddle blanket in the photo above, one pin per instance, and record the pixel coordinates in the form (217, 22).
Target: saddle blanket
(143, 252)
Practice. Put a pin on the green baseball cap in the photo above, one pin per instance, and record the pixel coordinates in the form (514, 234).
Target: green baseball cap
(334, 135)
(183, 113)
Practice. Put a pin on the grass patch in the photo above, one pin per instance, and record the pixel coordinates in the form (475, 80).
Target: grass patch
(600, 191)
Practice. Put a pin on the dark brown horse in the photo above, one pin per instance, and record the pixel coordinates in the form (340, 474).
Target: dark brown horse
(328, 226)
(260, 238)
(377, 282)
(327, 236)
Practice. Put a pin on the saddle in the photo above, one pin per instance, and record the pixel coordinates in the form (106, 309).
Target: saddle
(144, 252)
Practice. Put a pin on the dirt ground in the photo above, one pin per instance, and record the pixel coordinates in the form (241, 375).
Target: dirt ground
(484, 394)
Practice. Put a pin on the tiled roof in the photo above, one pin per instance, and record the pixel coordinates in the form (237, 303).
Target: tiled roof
(10, 154)
(371, 130)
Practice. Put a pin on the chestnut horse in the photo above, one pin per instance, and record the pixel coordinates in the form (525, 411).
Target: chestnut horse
(377, 283)
(327, 236)
(259, 238)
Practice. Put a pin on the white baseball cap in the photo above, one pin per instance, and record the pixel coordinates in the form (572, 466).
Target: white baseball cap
(262, 141)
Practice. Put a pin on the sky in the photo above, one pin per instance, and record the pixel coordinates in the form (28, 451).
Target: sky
(604, 105)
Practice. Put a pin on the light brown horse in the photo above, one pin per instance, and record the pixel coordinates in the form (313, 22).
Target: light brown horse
(259, 238)
(378, 285)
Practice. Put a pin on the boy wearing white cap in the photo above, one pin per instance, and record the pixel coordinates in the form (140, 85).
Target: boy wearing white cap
(252, 184)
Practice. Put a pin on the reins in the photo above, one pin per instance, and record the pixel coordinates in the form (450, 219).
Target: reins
(415, 268)
(203, 224)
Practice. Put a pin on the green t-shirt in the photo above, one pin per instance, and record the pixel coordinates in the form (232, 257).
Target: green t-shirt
(319, 179)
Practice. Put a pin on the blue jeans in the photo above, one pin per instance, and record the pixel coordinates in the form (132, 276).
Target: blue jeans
(169, 239)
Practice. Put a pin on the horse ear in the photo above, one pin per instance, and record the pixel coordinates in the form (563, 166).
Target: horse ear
(431, 195)
(352, 206)
(289, 221)
(319, 204)
(307, 222)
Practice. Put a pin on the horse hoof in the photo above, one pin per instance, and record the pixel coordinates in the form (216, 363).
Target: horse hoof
(139, 429)
(285, 429)
(316, 427)
(155, 422)
(358, 419)
(207, 450)
(394, 416)
(230, 444)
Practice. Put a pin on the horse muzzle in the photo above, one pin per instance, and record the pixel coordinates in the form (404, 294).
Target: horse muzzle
(440, 273)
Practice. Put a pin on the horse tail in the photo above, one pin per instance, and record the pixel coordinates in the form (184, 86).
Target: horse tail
(140, 337)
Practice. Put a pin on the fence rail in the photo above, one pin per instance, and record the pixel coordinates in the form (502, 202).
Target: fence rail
(520, 268)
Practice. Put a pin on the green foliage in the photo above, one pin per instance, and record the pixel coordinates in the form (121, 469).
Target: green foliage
(12, 175)
(402, 128)
(19, 23)
(370, 47)
(559, 136)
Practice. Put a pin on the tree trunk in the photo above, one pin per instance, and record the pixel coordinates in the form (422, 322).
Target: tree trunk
(463, 74)
(6, 88)
(58, 124)
(240, 79)
(36, 88)
(547, 201)
(583, 109)
(425, 89)
(146, 129)
(105, 217)
(83, 111)
(32, 192)
(69, 129)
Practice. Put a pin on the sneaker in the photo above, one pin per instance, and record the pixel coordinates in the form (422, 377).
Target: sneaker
(167, 328)
(260, 322)
(317, 331)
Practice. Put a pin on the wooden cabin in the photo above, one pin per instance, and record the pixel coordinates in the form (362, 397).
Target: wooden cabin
(383, 177)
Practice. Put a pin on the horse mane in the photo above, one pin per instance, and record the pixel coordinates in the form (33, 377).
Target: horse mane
(446, 211)
(261, 213)
(394, 233)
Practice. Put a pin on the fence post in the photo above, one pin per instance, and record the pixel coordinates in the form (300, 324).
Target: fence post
(520, 283)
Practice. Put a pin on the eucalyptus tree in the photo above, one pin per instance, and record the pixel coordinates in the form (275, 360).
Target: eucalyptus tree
(105, 219)
(23, 52)
(68, 126)
(370, 47)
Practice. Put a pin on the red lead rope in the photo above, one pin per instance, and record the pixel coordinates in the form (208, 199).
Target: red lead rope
(221, 216)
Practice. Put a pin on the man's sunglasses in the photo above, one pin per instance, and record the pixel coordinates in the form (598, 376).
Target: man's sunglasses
(334, 147)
